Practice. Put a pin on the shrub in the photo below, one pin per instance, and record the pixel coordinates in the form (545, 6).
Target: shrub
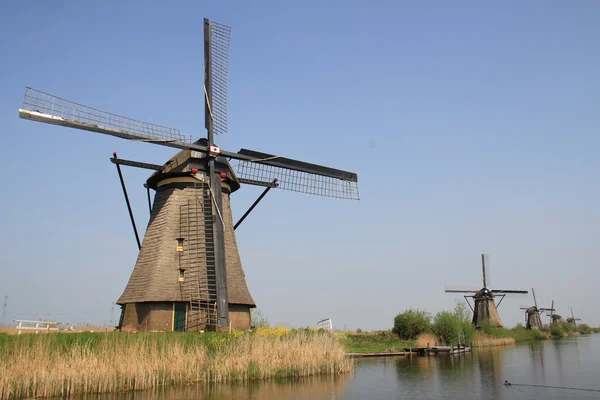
(258, 319)
(584, 328)
(469, 330)
(411, 323)
(447, 325)
(556, 331)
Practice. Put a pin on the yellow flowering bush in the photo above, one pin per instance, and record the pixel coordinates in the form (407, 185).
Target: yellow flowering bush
(263, 331)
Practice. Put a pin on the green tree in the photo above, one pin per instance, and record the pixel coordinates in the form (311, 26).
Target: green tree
(258, 318)
(555, 330)
(447, 325)
(411, 323)
(584, 328)
(462, 310)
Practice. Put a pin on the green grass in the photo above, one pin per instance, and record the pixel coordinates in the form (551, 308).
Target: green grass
(519, 333)
(379, 342)
(64, 342)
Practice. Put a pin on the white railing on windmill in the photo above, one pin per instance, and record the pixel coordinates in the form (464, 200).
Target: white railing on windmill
(325, 324)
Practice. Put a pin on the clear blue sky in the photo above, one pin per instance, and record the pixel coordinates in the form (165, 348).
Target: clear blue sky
(473, 128)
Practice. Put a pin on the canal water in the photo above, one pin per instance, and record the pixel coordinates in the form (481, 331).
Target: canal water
(573, 363)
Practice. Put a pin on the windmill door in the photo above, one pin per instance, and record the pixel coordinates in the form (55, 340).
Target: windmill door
(179, 317)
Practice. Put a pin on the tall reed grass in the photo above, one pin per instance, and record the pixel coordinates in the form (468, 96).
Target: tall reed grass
(481, 339)
(427, 339)
(70, 364)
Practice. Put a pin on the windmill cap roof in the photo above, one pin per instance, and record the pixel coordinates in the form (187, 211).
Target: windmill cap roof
(182, 163)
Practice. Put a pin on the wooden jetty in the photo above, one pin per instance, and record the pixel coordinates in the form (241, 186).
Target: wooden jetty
(421, 351)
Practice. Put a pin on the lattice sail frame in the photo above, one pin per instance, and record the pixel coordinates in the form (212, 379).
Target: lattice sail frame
(219, 51)
(297, 181)
(48, 108)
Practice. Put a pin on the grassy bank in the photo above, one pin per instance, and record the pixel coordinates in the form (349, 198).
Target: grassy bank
(69, 364)
(492, 336)
(376, 342)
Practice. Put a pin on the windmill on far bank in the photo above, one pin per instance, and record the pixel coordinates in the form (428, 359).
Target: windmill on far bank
(484, 308)
(572, 319)
(532, 313)
(188, 274)
(554, 318)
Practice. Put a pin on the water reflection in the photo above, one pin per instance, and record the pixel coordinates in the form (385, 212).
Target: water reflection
(319, 388)
(490, 362)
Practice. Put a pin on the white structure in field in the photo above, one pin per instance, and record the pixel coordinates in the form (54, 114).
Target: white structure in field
(25, 325)
(325, 324)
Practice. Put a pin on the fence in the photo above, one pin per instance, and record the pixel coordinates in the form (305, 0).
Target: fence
(37, 326)
(325, 324)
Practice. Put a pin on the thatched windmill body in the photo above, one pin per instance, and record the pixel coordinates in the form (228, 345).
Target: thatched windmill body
(484, 307)
(532, 313)
(188, 274)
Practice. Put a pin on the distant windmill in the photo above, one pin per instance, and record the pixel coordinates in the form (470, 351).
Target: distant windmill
(532, 313)
(573, 320)
(554, 318)
(484, 308)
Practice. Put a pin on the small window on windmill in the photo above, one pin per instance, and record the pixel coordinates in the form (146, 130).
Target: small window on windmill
(179, 244)
(181, 277)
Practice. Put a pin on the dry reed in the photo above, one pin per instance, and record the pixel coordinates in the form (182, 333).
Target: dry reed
(425, 339)
(481, 339)
(37, 366)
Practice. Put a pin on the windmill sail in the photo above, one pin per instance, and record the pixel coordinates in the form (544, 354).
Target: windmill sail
(217, 61)
(298, 176)
(254, 167)
(485, 266)
(44, 107)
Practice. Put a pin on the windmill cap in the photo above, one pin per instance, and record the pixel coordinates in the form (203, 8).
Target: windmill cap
(187, 162)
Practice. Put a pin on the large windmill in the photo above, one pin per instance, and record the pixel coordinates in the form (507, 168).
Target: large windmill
(532, 313)
(188, 274)
(572, 319)
(484, 308)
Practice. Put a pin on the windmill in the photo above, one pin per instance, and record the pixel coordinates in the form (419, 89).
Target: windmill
(484, 308)
(554, 318)
(532, 313)
(572, 319)
(188, 274)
